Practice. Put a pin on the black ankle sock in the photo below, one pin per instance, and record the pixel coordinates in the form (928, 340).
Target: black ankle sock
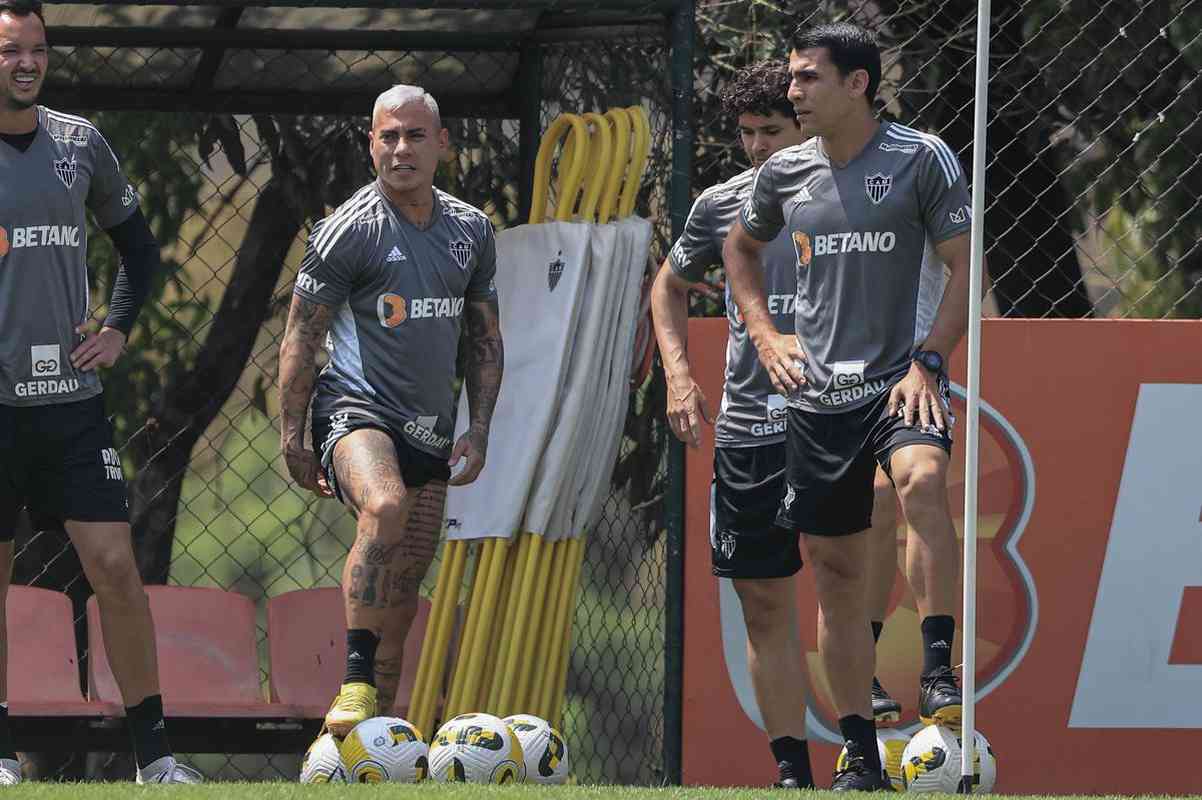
(793, 760)
(938, 634)
(7, 749)
(149, 730)
(877, 627)
(862, 733)
(361, 646)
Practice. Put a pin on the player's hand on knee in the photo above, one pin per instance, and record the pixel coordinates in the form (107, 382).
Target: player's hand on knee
(916, 399)
(98, 349)
(687, 407)
(471, 449)
(305, 469)
(783, 358)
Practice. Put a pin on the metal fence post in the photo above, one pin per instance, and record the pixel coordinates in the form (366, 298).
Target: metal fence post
(529, 85)
(682, 35)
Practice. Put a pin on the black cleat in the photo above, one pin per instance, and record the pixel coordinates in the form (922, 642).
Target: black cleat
(939, 699)
(856, 776)
(884, 707)
(789, 782)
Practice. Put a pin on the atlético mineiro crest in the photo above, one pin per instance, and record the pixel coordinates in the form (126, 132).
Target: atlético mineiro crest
(555, 271)
(461, 251)
(877, 186)
(66, 171)
(727, 544)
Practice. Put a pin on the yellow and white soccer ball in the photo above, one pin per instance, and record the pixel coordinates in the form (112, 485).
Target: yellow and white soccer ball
(476, 748)
(385, 750)
(323, 762)
(931, 762)
(890, 744)
(545, 752)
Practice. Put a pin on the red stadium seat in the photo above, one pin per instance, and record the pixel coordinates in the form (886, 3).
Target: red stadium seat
(307, 641)
(43, 673)
(207, 654)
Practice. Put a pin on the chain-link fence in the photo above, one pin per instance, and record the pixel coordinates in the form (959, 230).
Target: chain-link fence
(240, 128)
(242, 125)
(1094, 135)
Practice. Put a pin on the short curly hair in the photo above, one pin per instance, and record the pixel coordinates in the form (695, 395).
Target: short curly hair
(23, 8)
(759, 89)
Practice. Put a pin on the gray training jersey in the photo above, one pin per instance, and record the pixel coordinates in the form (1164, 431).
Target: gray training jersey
(868, 279)
(752, 412)
(399, 294)
(44, 192)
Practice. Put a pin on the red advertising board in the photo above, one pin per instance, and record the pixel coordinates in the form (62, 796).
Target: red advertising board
(1089, 645)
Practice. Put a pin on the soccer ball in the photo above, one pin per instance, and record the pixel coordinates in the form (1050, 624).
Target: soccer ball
(476, 748)
(323, 762)
(890, 744)
(931, 762)
(385, 750)
(543, 746)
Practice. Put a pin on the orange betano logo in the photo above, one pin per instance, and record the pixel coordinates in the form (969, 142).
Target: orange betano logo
(3, 242)
(390, 308)
(804, 251)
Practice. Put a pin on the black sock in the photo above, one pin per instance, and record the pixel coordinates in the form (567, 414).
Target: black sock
(793, 760)
(361, 656)
(877, 627)
(149, 730)
(938, 633)
(861, 733)
(7, 748)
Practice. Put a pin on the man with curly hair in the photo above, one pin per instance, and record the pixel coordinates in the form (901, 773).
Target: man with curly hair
(747, 547)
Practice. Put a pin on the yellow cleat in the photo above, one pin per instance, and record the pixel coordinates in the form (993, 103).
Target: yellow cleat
(355, 702)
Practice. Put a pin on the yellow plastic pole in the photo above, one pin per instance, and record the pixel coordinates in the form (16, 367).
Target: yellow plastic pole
(517, 654)
(621, 121)
(564, 125)
(537, 634)
(475, 614)
(601, 153)
(576, 553)
(470, 696)
(563, 617)
(638, 160)
(548, 659)
(498, 629)
(428, 684)
(497, 689)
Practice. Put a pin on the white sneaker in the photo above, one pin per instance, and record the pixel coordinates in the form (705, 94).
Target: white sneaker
(10, 772)
(168, 770)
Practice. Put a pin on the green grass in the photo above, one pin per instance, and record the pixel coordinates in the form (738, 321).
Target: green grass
(287, 791)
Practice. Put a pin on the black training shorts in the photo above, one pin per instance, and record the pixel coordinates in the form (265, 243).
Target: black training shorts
(417, 467)
(59, 461)
(831, 460)
(745, 540)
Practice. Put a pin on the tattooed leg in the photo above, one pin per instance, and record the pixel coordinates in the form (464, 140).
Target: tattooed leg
(405, 573)
(370, 478)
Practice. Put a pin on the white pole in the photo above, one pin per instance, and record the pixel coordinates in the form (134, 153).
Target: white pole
(972, 443)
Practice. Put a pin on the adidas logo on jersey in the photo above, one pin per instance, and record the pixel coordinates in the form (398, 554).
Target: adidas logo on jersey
(804, 195)
(395, 256)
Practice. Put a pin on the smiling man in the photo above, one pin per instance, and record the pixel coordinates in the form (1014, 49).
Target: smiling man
(386, 283)
(57, 456)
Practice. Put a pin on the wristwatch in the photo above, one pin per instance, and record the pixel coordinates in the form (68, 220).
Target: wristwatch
(929, 360)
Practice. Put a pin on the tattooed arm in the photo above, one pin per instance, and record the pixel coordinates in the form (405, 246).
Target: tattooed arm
(307, 326)
(482, 377)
